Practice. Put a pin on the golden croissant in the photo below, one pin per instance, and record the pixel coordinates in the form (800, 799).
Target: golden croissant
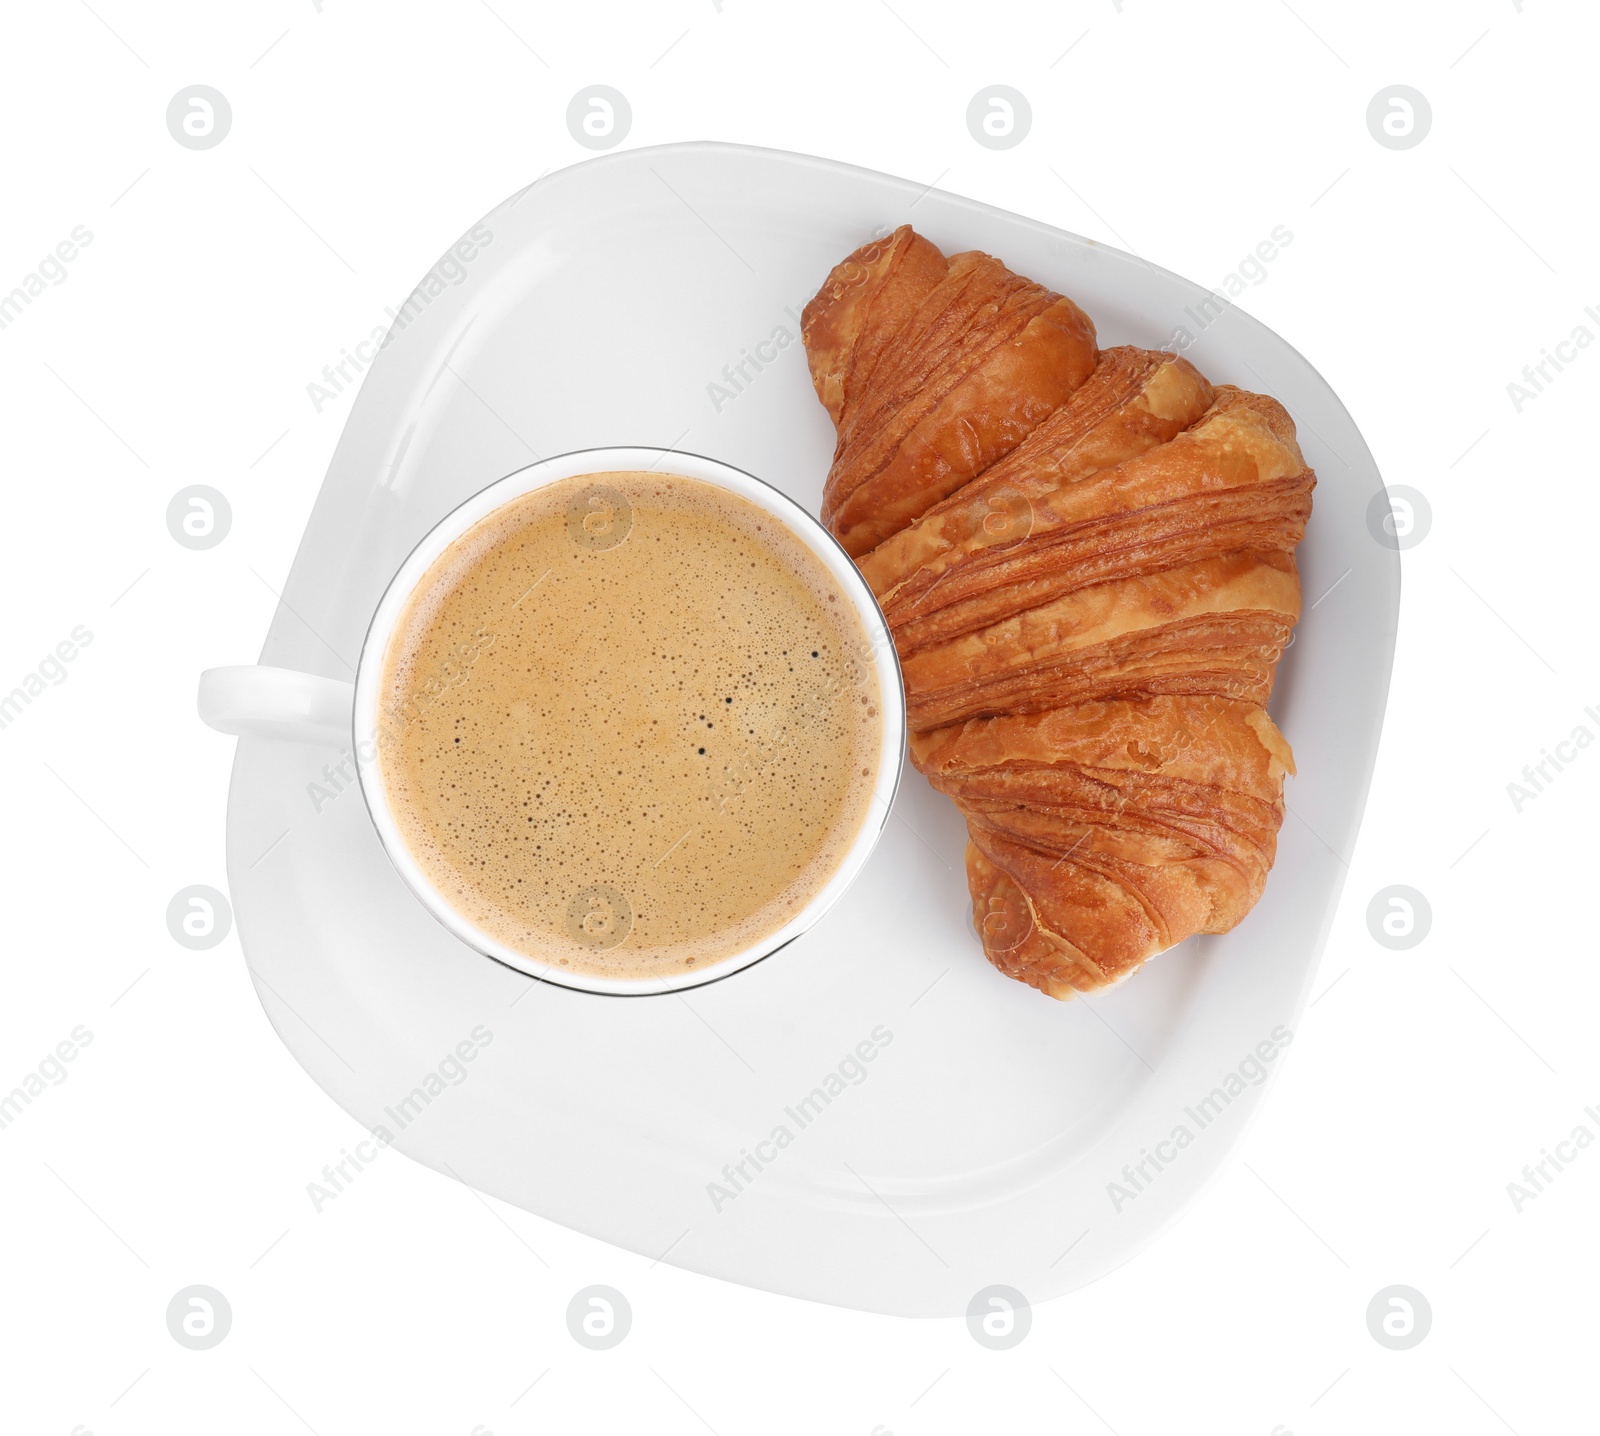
(1086, 558)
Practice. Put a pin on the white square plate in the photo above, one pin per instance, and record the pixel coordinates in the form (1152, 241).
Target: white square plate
(986, 1140)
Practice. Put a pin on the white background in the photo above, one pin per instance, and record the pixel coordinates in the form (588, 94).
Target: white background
(178, 349)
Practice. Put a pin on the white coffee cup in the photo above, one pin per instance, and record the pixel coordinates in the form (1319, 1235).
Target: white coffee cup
(290, 706)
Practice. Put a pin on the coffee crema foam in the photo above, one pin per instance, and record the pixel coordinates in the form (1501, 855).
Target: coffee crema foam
(630, 724)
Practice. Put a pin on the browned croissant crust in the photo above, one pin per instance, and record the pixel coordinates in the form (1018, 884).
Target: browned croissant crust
(1087, 562)
(979, 357)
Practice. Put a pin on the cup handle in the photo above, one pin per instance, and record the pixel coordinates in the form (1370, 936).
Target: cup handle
(258, 702)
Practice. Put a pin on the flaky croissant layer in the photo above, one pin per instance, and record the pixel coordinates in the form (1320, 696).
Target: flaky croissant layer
(1086, 558)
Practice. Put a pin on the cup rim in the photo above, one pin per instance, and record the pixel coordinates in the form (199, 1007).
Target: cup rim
(574, 463)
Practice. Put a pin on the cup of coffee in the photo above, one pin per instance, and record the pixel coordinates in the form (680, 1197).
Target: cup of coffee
(628, 720)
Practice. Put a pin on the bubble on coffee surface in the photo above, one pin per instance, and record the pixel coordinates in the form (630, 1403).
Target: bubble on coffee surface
(600, 517)
(666, 749)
